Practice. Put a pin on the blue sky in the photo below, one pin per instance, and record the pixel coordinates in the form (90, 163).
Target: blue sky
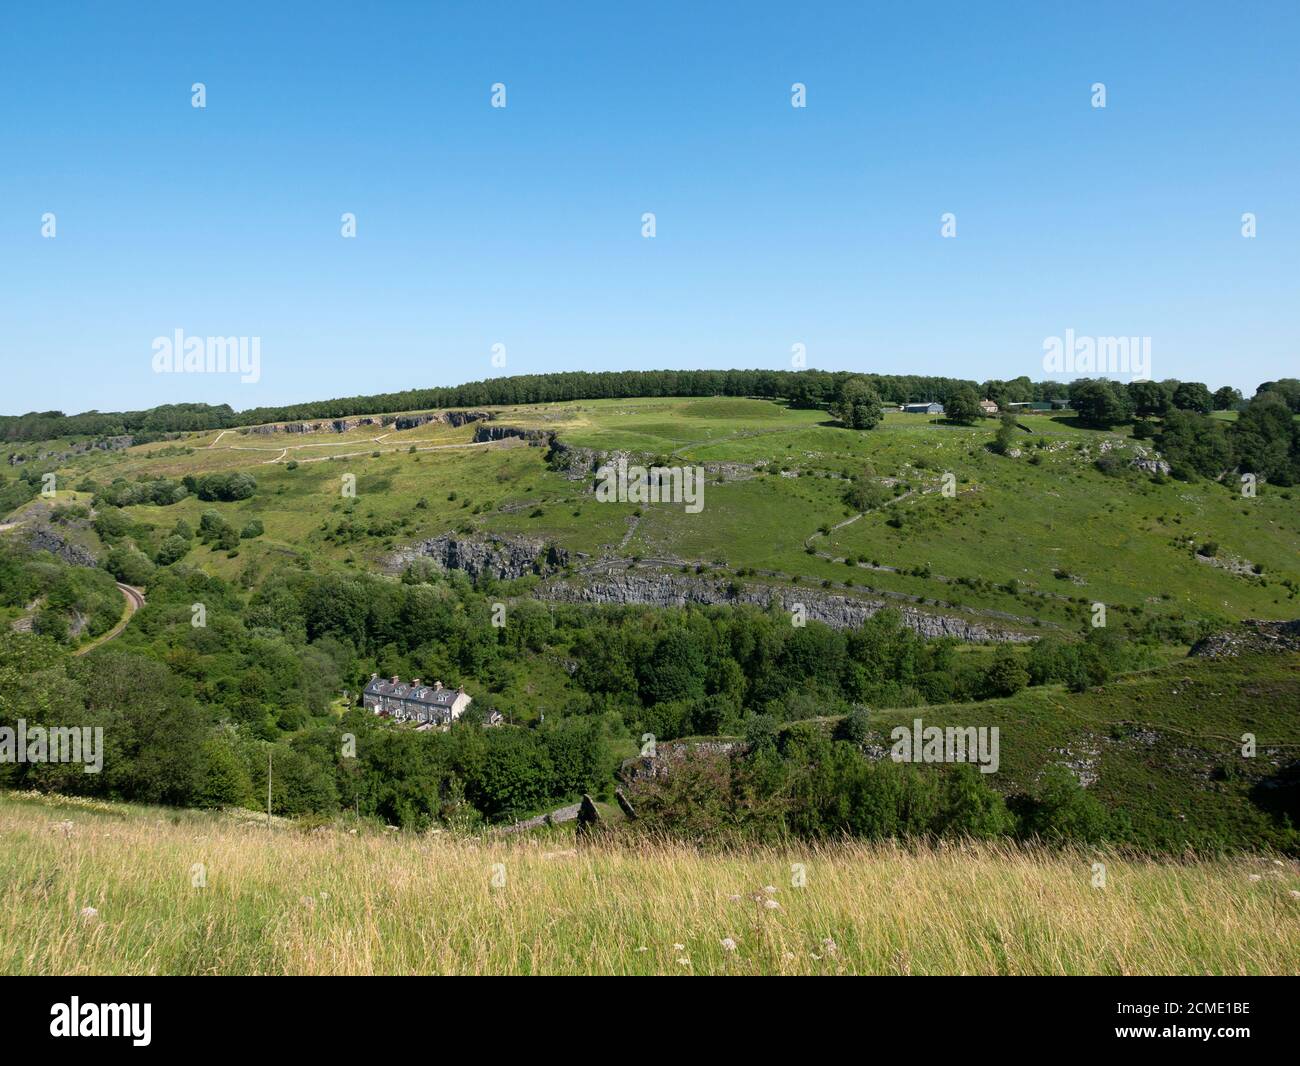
(522, 226)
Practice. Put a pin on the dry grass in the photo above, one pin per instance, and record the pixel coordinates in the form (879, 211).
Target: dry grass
(287, 901)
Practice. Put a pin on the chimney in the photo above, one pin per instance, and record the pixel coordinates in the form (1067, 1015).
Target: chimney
(415, 682)
(373, 676)
(394, 679)
(437, 686)
(461, 690)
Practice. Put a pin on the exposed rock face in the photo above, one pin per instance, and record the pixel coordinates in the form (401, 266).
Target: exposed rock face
(730, 471)
(43, 538)
(503, 558)
(507, 558)
(1253, 636)
(658, 589)
(343, 425)
(447, 418)
(576, 464)
(580, 464)
(1150, 466)
(486, 433)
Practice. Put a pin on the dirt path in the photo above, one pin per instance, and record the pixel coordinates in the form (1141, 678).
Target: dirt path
(134, 601)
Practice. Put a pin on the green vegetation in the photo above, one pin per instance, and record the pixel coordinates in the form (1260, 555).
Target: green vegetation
(307, 587)
(174, 892)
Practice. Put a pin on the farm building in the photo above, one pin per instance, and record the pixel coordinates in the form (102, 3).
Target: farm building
(426, 704)
(923, 408)
(988, 407)
(1041, 406)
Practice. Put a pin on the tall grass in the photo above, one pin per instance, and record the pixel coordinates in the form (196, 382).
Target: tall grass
(283, 900)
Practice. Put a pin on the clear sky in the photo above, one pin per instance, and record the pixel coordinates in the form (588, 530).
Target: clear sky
(522, 225)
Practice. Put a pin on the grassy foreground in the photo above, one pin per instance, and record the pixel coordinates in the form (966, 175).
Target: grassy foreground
(284, 900)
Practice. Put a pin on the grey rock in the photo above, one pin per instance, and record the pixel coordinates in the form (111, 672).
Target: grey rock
(503, 558)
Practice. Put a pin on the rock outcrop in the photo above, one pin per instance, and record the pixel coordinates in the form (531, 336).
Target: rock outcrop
(43, 538)
(344, 425)
(448, 418)
(610, 582)
(533, 436)
(655, 588)
(478, 555)
(1251, 636)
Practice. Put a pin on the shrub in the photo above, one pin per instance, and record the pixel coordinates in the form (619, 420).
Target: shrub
(171, 549)
(1063, 810)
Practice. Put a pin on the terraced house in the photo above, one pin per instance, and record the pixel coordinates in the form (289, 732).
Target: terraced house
(429, 705)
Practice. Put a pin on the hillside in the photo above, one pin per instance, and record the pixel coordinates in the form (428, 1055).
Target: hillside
(286, 563)
(1027, 543)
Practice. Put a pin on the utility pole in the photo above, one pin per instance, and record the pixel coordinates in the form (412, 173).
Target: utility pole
(268, 790)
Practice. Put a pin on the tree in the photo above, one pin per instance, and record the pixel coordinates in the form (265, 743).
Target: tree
(222, 778)
(1149, 398)
(172, 549)
(210, 525)
(1287, 388)
(1226, 398)
(674, 670)
(971, 808)
(1100, 403)
(858, 405)
(1266, 439)
(1006, 434)
(129, 565)
(864, 494)
(1193, 396)
(963, 406)
(1062, 810)
(1004, 676)
(1194, 443)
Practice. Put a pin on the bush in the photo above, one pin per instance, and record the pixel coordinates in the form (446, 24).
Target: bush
(855, 727)
(129, 565)
(1063, 810)
(171, 549)
(226, 487)
(1004, 676)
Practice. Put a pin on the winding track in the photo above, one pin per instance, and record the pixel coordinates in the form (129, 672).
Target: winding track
(134, 601)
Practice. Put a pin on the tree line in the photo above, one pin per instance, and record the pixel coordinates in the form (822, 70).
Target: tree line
(802, 388)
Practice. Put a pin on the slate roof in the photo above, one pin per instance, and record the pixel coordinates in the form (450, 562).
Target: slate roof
(425, 694)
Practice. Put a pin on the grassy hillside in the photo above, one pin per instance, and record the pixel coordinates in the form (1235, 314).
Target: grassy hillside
(108, 889)
(1037, 537)
(1163, 748)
